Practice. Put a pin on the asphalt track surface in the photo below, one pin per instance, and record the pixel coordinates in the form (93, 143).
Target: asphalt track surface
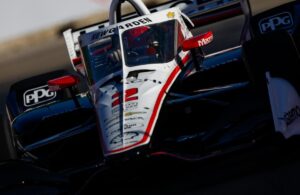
(265, 169)
(269, 169)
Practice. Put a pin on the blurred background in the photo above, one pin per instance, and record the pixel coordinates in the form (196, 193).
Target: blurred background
(23, 17)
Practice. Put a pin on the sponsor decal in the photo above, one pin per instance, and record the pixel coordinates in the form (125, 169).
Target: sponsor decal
(279, 21)
(136, 23)
(290, 116)
(113, 124)
(130, 95)
(131, 106)
(116, 140)
(205, 40)
(115, 110)
(111, 120)
(134, 118)
(112, 132)
(38, 95)
(132, 125)
(129, 136)
(198, 41)
(134, 113)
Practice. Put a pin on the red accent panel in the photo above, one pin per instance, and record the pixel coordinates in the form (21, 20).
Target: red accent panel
(198, 41)
(76, 61)
(131, 99)
(115, 103)
(115, 95)
(129, 93)
(63, 82)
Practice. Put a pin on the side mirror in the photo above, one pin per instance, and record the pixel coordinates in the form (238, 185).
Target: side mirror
(197, 41)
(63, 82)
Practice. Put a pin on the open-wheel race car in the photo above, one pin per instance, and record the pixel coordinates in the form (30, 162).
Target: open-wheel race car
(143, 88)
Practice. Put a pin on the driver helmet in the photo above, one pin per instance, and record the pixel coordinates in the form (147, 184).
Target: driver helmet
(141, 37)
(135, 36)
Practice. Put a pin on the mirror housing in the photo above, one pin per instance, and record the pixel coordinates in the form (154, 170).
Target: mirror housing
(63, 82)
(198, 41)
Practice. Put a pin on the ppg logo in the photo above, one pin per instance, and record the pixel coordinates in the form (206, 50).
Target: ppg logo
(38, 95)
(280, 21)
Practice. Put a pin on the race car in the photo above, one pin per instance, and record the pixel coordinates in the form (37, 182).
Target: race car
(156, 49)
(143, 87)
(142, 68)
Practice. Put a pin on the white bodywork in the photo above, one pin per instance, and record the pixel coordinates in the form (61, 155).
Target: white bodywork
(128, 109)
(285, 104)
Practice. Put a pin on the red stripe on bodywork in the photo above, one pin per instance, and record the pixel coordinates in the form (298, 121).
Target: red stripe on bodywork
(129, 93)
(131, 99)
(115, 95)
(116, 98)
(115, 103)
(156, 107)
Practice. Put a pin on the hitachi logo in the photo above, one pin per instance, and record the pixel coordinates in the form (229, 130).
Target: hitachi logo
(38, 95)
(280, 21)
